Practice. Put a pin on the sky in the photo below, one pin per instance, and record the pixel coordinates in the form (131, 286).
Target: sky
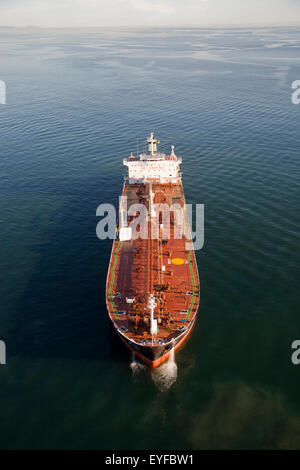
(84, 13)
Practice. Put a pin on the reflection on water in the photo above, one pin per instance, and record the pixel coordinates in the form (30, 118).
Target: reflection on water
(240, 416)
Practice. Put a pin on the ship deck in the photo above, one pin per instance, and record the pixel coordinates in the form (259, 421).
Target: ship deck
(165, 267)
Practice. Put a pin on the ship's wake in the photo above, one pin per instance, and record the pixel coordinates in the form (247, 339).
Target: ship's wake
(136, 366)
(165, 375)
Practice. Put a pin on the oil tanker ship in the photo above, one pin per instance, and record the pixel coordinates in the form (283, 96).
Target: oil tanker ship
(152, 288)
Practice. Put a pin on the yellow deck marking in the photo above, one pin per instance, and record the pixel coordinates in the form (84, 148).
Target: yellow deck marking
(178, 261)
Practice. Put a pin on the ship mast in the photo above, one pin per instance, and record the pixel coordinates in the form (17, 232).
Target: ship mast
(153, 322)
(152, 143)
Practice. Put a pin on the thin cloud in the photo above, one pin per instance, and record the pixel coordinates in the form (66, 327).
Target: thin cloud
(162, 8)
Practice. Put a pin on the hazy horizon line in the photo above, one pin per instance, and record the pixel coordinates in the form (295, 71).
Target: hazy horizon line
(225, 25)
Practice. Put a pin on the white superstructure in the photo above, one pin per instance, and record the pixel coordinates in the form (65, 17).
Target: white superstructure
(153, 165)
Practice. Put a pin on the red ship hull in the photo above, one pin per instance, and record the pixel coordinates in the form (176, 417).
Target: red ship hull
(161, 270)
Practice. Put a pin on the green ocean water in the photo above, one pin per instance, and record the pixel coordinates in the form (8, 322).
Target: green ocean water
(78, 101)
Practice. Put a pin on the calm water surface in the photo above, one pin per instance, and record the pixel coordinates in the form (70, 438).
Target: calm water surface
(78, 101)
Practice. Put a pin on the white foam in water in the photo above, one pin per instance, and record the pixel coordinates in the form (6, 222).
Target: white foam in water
(166, 374)
(136, 366)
